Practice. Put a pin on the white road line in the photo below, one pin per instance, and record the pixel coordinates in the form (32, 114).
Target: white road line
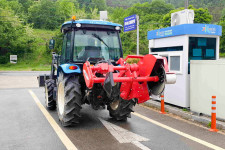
(65, 140)
(179, 132)
(141, 146)
(124, 136)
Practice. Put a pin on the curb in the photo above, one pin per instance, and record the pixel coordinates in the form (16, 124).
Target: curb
(185, 115)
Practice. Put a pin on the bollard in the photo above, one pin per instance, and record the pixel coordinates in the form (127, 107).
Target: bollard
(213, 115)
(162, 105)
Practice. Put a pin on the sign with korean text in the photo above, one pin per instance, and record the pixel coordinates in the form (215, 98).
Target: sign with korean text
(130, 23)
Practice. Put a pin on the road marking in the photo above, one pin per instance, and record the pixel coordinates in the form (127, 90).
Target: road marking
(179, 132)
(124, 136)
(65, 140)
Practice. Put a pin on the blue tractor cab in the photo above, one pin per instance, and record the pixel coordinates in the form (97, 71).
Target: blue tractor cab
(91, 40)
(85, 39)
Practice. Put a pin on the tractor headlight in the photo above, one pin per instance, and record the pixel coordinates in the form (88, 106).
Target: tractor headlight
(117, 28)
(78, 25)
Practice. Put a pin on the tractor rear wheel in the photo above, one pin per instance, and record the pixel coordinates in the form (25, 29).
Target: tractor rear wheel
(49, 87)
(121, 109)
(69, 99)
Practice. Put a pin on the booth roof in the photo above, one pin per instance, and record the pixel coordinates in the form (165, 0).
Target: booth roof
(190, 29)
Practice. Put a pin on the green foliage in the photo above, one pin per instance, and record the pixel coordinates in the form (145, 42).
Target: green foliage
(125, 3)
(184, 109)
(222, 38)
(44, 14)
(99, 4)
(202, 16)
(58, 37)
(209, 124)
(16, 38)
(223, 14)
(26, 4)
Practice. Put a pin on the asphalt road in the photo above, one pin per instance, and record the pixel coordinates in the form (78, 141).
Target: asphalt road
(25, 126)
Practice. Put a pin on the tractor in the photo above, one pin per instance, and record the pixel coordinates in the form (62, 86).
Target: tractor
(91, 70)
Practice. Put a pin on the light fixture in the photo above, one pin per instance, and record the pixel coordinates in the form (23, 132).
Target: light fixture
(78, 25)
(117, 28)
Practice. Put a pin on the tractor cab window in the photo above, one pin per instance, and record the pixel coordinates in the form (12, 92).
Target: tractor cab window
(65, 55)
(96, 44)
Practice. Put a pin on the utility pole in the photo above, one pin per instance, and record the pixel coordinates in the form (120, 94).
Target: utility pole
(137, 34)
(186, 4)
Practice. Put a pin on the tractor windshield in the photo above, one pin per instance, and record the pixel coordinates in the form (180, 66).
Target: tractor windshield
(96, 44)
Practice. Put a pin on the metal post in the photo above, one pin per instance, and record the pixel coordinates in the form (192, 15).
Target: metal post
(137, 35)
(186, 4)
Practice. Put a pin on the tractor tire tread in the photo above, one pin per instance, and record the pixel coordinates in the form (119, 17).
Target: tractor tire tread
(73, 99)
(50, 87)
(123, 111)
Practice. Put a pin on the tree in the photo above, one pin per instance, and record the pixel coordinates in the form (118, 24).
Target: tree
(99, 4)
(223, 14)
(26, 4)
(45, 14)
(66, 9)
(202, 16)
(222, 38)
(15, 36)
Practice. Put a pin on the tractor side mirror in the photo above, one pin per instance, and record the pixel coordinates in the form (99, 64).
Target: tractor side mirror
(51, 44)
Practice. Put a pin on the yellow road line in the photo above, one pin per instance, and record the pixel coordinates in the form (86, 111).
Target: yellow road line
(179, 132)
(65, 140)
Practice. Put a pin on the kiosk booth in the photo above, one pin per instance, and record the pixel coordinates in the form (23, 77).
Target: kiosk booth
(180, 44)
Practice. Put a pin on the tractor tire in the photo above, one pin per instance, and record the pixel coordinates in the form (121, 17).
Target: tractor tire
(69, 99)
(49, 101)
(121, 109)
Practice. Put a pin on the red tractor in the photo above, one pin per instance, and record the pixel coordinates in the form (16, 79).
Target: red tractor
(91, 70)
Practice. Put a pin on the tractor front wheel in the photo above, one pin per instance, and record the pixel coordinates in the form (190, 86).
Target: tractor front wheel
(49, 87)
(68, 99)
(121, 109)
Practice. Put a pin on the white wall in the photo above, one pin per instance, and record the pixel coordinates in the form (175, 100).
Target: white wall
(207, 78)
(178, 93)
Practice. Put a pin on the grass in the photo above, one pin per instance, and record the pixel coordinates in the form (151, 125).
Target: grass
(25, 67)
(39, 60)
(209, 124)
(184, 109)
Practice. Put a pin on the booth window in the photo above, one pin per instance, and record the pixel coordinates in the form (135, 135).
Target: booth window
(167, 49)
(174, 63)
(201, 48)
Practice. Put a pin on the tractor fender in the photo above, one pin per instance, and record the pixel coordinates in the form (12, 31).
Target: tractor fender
(65, 69)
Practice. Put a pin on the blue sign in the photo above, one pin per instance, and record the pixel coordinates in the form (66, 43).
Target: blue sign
(130, 23)
(188, 29)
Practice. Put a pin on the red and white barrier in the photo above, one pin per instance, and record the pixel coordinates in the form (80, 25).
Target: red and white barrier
(162, 105)
(213, 115)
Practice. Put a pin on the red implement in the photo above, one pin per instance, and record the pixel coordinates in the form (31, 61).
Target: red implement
(133, 77)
